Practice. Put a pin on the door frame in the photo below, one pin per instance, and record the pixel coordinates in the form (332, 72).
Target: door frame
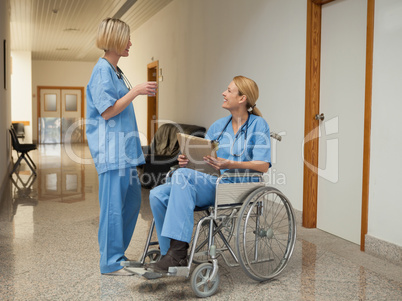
(312, 108)
(38, 115)
(152, 110)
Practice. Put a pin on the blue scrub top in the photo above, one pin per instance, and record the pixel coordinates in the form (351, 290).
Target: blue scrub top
(115, 143)
(234, 147)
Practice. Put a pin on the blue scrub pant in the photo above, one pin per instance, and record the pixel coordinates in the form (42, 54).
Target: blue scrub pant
(173, 204)
(120, 201)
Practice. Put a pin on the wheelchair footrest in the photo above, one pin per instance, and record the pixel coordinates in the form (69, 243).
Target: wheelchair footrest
(152, 275)
(179, 271)
(148, 274)
(133, 264)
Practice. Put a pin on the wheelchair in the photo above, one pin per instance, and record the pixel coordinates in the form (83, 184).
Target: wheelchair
(251, 225)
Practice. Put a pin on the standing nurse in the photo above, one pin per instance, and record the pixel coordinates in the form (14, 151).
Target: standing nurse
(115, 146)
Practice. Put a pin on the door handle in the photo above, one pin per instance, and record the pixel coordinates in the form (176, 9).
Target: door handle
(319, 117)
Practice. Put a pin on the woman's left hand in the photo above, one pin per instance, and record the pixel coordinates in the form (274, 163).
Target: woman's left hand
(217, 163)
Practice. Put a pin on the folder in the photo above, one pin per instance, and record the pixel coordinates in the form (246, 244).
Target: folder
(195, 149)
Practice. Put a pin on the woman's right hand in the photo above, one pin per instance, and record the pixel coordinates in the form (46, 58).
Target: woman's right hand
(147, 88)
(183, 161)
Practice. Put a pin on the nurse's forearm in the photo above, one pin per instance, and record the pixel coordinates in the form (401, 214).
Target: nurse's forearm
(119, 105)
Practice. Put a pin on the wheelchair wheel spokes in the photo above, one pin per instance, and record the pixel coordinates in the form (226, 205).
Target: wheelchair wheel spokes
(266, 233)
(222, 230)
(201, 282)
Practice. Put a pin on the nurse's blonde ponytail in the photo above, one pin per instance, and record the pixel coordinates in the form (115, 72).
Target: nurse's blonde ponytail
(249, 88)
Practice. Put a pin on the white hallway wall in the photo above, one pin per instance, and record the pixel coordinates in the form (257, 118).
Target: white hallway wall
(21, 81)
(5, 95)
(201, 45)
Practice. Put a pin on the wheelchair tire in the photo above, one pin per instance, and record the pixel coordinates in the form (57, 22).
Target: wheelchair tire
(153, 256)
(266, 233)
(200, 281)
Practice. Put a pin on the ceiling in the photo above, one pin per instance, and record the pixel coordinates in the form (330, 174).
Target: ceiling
(64, 30)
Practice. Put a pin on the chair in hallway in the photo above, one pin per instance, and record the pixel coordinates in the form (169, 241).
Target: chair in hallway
(19, 129)
(22, 150)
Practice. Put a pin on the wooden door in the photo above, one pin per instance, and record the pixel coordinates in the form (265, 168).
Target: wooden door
(152, 102)
(49, 122)
(59, 111)
(312, 125)
(343, 54)
(71, 130)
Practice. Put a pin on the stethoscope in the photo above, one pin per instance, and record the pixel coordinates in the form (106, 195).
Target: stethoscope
(238, 134)
(120, 75)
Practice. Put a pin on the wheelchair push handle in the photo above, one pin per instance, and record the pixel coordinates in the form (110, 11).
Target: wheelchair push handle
(276, 136)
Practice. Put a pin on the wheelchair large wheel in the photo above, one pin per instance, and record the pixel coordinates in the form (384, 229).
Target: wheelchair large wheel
(223, 230)
(266, 233)
(201, 282)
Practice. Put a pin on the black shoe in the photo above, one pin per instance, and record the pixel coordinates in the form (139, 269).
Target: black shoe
(175, 257)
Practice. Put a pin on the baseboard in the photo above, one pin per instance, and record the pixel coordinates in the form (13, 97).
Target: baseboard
(5, 185)
(383, 249)
(373, 246)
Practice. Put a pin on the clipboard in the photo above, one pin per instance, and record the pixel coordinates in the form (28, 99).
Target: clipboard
(195, 149)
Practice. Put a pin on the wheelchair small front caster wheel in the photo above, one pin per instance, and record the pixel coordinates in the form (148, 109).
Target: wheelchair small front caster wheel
(153, 256)
(201, 283)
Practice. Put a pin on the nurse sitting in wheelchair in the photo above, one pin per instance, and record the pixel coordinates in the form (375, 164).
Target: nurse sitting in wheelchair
(244, 143)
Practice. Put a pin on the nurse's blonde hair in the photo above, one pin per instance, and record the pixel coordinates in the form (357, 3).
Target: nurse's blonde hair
(249, 88)
(113, 34)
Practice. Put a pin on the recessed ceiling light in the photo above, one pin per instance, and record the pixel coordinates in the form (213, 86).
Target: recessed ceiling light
(55, 10)
(71, 29)
(62, 49)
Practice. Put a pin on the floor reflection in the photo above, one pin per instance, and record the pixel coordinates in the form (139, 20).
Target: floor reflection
(60, 178)
(23, 193)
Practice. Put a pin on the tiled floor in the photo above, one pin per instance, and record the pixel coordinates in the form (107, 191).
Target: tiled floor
(49, 251)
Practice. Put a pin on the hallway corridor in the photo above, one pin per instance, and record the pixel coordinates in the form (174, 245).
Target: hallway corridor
(49, 249)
